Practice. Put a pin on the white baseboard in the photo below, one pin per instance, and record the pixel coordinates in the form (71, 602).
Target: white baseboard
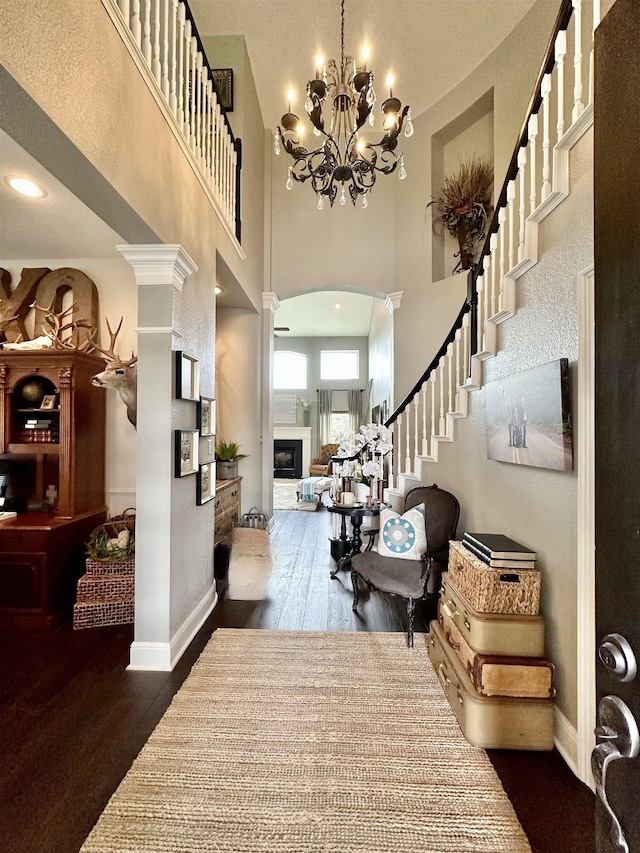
(566, 740)
(162, 657)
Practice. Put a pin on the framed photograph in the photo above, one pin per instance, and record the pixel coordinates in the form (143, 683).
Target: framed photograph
(187, 377)
(207, 416)
(49, 401)
(529, 417)
(206, 483)
(186, 452)
(223, 78)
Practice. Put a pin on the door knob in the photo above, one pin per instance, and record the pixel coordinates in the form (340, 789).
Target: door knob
(618, 737)
(618, 658)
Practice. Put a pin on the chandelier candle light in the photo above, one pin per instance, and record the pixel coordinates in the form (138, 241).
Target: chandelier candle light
(344, 156)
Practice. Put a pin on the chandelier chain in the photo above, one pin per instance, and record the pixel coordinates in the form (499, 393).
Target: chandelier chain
(342, 33)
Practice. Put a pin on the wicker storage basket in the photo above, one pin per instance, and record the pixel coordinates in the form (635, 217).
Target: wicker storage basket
(102, 588)
(95, 614)
(120, 566)
(491, 590)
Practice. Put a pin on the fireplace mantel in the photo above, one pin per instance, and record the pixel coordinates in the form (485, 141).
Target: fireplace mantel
(301, 433)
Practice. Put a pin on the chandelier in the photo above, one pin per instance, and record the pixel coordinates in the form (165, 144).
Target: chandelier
(343, 156)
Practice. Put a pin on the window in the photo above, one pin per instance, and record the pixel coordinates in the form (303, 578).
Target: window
(339, 364)
(289, 370)
(339, 428)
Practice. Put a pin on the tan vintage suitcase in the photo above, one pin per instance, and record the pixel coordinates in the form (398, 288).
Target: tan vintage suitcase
(494, 590)
(500, 675)
(491, 633)
(492, 722)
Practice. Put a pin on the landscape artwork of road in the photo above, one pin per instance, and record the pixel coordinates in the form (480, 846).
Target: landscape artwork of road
(528, 417)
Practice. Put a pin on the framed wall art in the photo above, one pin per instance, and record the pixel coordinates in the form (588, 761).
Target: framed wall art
(223, 78)
(207, 416)
(187, 377)
(186, 452)
(206, 483)
(529, 417)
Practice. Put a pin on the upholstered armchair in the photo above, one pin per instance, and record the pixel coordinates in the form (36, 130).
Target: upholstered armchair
(321, 465)
(412, 549)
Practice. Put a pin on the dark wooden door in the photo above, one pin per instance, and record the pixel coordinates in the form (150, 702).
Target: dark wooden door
(617, 335)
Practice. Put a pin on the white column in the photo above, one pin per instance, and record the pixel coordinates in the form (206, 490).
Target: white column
(270, 305)
(163, 269)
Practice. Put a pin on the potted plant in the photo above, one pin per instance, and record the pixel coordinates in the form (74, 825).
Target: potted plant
(464, 203)
(228, 455)
(305, 405)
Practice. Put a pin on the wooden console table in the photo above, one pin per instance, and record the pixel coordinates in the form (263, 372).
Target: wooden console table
(227, 508)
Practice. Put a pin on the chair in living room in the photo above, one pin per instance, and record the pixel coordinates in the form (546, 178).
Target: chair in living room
(412, 550)
(321, 465)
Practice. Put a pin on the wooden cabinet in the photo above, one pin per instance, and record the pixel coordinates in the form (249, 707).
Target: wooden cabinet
(53, 459)
(227, 507)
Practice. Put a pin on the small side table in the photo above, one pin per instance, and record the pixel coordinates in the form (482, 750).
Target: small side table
(355, 514)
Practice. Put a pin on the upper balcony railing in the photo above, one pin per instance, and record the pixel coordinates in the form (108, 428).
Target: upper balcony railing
(164, 36)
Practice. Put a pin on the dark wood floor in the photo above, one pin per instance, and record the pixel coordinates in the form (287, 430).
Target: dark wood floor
(72, 719)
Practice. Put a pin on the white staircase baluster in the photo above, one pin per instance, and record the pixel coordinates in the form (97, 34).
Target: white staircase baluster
(432, 380)
(560, 53)
(522, 166)
(193, 90)
(124, 7)
(459, 378)
(146, 31)
(209, 136)
(450, 376)
(578, 104)
(394, 452)
(156, 68)
(441, 377)
(165, 49)
(187, 79)
(173, 57)
(425, 443)
(502, 218)
(511, 197)
(181, 64)
(416, 431)
(492, 290)
(407, 445)
(533, 133)
(136, 24)
(466, 347)
(482, 288)
(546, 139)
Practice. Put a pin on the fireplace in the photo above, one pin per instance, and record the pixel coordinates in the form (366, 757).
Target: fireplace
(287, 458)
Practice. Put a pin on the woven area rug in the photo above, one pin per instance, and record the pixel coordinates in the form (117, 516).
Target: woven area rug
(309, 742)
(284, 497)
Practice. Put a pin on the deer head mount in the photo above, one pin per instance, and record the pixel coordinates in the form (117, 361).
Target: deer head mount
(121, 376)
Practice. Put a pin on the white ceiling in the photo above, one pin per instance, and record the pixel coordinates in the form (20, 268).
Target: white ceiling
(316, 315)
(429, 45)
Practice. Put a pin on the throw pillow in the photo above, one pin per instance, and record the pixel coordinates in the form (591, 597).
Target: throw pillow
(402, 536)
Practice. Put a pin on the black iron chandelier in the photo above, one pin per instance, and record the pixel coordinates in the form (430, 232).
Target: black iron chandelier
(344, 156)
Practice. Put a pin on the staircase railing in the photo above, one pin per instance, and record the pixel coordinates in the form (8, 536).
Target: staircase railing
(163, 37)
(537, 180)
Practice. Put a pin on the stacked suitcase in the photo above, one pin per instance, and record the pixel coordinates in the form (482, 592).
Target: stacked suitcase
(487, 647)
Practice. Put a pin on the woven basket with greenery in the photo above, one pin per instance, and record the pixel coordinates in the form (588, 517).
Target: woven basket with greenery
(115, 539)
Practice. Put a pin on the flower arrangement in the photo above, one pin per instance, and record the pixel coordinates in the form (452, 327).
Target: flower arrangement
(304, 404)
(464, 203)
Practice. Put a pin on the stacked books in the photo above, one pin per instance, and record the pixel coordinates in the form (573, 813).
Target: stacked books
(40, 431)
(499, 551)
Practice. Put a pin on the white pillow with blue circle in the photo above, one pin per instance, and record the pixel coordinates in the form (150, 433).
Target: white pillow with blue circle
(402, 536)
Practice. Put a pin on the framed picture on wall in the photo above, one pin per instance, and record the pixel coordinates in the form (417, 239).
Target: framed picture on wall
(186, 444)
(223, 78)
(207, 416)
(206, 483)
(187, 376)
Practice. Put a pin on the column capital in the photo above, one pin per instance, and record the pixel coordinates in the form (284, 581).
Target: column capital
(393, 301)
(270, 301)
(159, 263)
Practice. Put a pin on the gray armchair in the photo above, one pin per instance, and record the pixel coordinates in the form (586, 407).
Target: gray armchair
(412, 580)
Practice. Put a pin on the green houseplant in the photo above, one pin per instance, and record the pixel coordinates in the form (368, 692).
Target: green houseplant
(464, 204)
(228, 455)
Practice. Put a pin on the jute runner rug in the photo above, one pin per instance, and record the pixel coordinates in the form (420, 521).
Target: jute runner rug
(309, 742)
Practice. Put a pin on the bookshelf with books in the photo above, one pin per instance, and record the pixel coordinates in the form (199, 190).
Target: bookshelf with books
(52, 437)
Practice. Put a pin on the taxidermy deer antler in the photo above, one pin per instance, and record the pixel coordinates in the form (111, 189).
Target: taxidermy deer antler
(58, 327)
(120, 375)
(110, 354)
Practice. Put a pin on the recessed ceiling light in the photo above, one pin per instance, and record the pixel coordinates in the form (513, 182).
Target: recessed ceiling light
(26, 187)
(218, 290)
(338, 306)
